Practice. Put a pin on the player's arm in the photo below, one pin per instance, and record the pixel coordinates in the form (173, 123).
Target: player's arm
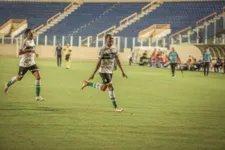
(120, 66)
(96, 69)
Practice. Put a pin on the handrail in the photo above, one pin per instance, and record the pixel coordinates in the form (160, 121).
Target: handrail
(147, 30)
(150, 4)
(5, 24)
(71, 4)
(127, 18)
(68, 7)
(24, 21)
(38, 28)
(183, 30)
(161, 30)
(103, 32)
(204, 19)
(53, 17)
(17, 20)
(152, 27)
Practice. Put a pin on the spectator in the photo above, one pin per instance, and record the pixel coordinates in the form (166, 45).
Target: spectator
(131, 56)
(218, 65)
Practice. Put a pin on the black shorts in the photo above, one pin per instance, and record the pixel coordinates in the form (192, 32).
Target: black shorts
(32, 69)
(106, 78)
(67, 57)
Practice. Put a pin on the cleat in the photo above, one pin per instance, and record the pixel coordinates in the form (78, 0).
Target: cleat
(118, 109)
(85, 82)
(6, 88)
(39, 98)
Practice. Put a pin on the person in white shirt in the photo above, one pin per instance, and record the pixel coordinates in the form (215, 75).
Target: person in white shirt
(107, 56)
(27, 54)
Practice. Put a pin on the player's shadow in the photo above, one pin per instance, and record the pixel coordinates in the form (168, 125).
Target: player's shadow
(32, 109)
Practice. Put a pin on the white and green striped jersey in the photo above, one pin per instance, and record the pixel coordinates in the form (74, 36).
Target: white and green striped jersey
(27, 59)
(107, 56)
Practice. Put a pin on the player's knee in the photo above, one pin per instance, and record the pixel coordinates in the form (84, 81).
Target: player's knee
(19, 78)
(104, 87)
(110, 86)
(38, 78)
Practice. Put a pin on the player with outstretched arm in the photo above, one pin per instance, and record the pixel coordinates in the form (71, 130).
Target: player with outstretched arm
(107, 56)
(27, 54)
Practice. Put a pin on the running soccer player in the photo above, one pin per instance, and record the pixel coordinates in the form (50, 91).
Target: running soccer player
(107, 56)
(207, 58)
(173, 58)
(27, 54)
(68, 52)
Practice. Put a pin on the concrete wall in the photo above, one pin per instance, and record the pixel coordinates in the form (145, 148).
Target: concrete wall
(79, 53)
(185, 50)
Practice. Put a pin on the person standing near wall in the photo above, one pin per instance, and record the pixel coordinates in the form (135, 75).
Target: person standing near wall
(67, 54)
(207, 58)
(131, 56)
(174, 59)
(58, 53)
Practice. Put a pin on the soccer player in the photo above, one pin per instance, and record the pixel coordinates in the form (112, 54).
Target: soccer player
(173, 58)
(58, 53)
(107, 56)
(68, 52)
(27, 54)
(207, 58)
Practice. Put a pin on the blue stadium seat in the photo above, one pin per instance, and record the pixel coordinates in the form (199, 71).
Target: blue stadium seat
(35, 12)
(92, 18)
(178, 14)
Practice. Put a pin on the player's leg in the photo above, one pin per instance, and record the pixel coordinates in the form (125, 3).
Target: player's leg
(172, 68)
(208, 66)
(35, 71)
(205, 66)
(57, 60)
(60, 60)
(19, 77)
(112, 94)
(99, 86)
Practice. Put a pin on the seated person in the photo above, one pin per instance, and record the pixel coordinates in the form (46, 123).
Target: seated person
(199, 64)
(144, 59)
(218, 64)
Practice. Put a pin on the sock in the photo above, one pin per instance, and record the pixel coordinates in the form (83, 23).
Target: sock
(12, 81)
(38, 87)
(113, 98)
(95, 85)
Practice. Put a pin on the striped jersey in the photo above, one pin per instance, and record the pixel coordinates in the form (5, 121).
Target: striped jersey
(107, 56)
(27, 59)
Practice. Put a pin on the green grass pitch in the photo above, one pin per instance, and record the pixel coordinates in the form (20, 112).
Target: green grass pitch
(160, 112)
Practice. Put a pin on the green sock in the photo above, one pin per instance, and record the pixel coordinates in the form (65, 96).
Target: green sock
(114, 103)
(95, 85)
(38, 90)
(12, 81)
(91, 84)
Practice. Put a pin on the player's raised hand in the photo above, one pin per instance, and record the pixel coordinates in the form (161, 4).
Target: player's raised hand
(124, 75)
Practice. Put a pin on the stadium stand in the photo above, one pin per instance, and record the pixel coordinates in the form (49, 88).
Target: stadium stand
(178, 14)
(36, 13)
(91, 19)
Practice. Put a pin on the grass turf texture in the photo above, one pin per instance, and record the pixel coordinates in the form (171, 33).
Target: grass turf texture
(160, 112)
